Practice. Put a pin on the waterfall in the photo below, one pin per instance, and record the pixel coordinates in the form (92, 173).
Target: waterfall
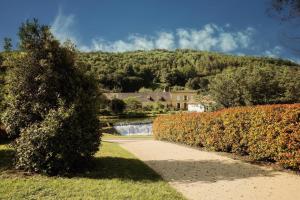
(134, 129)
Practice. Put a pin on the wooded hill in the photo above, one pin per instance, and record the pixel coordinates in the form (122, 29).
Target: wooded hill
(130, 71)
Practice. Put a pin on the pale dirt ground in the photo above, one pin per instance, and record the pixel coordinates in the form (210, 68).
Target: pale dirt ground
(207, 175)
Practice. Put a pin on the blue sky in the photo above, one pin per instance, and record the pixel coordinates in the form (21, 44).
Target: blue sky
(229, 26)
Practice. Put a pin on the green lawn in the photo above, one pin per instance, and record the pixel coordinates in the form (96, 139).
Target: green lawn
(117, 175)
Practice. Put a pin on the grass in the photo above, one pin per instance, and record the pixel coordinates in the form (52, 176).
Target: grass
(116, 174)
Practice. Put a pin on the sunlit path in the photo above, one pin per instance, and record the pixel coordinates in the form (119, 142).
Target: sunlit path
(207, 175)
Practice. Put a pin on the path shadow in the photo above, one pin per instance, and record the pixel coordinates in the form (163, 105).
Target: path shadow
(208, 170)
(5, 141)
(181, 171)
(120, 168)
(6, 159)
(98, 168)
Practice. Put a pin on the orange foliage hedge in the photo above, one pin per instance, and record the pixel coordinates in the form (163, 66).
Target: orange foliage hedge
(269, 133)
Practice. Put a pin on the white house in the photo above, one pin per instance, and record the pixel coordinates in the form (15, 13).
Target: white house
(196, 108)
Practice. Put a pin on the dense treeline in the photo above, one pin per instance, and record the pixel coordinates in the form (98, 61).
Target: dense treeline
(160, 68)
(233, 80)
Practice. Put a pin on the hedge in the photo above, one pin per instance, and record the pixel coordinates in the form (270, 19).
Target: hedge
(264, 133)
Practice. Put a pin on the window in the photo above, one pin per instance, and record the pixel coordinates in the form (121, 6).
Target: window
(178, 98)
(185, 106)
(185, 98)
(178, 105)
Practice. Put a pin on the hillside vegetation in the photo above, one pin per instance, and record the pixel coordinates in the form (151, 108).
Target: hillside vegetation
(232, 80)
(160, 68)
(249, 80)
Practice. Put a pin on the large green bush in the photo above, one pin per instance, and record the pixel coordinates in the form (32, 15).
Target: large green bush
(117, 106)
(269, 133)
(60, 143)
(256, 86)
(51, 105)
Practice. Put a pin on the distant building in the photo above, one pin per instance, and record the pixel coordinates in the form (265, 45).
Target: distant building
(180, 100)
(196, 107)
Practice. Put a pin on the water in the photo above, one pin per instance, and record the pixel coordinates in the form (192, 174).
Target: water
(134, 128)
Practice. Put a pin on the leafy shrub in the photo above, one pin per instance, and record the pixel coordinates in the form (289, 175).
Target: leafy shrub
(269, 133)
(117, 106)
(132, 104)
(58, 144)
(51, 105)
(154, 106)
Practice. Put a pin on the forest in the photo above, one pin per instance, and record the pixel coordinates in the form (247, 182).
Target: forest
(249, 80)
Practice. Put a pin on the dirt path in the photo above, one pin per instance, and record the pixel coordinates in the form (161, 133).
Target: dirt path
(206, 175)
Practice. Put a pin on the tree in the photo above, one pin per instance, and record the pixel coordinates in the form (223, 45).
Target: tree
(197, 83)
(287, 11)
(52, 105)
(173, 77)
(7, 44)
(253, 86)
(3, 134)
(131, 83)
(117, 106)
(226, 89)
(2, 83)
(132, 104)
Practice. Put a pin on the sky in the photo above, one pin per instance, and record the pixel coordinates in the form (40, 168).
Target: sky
(239, 27)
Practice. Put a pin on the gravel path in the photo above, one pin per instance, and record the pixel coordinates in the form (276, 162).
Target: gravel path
(207, 175)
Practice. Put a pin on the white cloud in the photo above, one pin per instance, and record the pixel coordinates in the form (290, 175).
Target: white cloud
(210, 37)
(165, 41)
(273, 53)
(134, 42)
(202, 39)
(62, 27)
(227, 42)
(217, 38)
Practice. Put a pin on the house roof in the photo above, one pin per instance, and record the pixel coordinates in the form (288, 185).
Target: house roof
(184, 91)
(158, 96)
(142, 96)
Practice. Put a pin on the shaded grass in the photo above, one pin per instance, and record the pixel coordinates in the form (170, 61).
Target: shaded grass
(116, 174)
(6, 157)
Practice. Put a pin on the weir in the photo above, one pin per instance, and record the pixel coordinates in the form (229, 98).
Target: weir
(134, 128)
